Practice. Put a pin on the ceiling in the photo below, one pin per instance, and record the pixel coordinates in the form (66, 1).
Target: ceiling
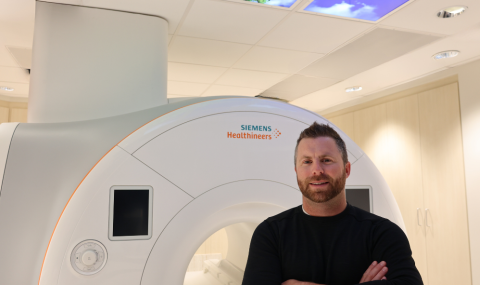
(230, 47)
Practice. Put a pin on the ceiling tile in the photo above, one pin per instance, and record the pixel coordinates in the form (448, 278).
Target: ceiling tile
(171, 10)
(422, 16)
(297, 86)
(373, 49)
(194, 73)
(219, 90)
(249, 78)
(14, 74)
(231, 22)
(276, 60)
(205, 52)
(403, 69)
(186, 88)
(23, 56)
(312, 33)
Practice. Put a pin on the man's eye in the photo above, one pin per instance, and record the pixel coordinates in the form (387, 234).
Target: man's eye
(307, 161)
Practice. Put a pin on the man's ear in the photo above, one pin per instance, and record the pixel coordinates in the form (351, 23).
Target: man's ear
(348, 169)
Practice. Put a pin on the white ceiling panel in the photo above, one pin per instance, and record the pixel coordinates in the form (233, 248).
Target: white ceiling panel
(172, 10)
(205, 52)
(219, 90)
(6, 59)
(229, 21)
(421, 15)
(186, 88)
(14, 74)
(373, 49)
(400, 70)
(251, 79)
(194, 73)
(305, 32)
(276, 60)
(297, 86)
(23, 56)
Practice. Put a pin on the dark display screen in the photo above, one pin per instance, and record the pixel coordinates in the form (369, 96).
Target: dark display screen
(359, 198)
(130, 213)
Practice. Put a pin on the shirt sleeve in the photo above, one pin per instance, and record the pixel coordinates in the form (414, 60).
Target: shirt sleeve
(390, 244)
(263, 263)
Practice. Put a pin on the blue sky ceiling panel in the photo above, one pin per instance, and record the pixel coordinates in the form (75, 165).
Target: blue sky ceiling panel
(370, 10)
(279, 3)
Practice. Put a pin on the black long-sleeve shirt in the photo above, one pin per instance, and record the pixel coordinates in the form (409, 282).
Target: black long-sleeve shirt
(333, 250)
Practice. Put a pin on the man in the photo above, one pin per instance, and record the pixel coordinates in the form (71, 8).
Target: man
(326, 240)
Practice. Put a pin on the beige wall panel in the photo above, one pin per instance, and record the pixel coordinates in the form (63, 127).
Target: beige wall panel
(444, 186)
(4, 112)
(404, 173)
(370, 132)
(18, 115)
(345, 123)
(216, 243)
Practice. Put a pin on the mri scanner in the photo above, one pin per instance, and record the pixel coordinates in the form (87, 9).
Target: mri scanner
(109, 183)
(145, 189)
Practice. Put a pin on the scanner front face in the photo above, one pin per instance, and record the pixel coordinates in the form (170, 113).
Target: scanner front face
(150, 202)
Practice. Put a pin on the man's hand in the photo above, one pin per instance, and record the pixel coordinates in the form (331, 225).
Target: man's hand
(296, 282)
(375, 272)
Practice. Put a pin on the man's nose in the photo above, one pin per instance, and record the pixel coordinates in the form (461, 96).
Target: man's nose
(317, 168)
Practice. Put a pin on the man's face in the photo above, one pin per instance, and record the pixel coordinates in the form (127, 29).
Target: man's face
(321, 174)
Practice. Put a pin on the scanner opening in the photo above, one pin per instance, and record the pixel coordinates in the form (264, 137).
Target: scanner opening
(222, 257)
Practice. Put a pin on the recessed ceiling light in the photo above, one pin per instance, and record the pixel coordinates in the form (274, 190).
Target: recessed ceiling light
(451, 12)
(5, 88)
(446, 54)
(353, 89)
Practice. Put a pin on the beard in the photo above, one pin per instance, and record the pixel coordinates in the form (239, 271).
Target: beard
(335, 187)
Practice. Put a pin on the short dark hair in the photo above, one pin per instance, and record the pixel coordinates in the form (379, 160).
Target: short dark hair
(321, 130)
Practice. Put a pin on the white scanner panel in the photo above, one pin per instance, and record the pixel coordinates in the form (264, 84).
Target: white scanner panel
(203, 153)
(203, 179)
(86, 217)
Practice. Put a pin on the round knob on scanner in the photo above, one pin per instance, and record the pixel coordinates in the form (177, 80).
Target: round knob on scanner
(89, 257)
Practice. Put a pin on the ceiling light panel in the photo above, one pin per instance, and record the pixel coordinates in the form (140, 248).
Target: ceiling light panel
(278, 3)
(251, 79)
(369, 10)
(194, 73)
(373, 49)
(228, 21)
(422, 16)
(220, 90)
(306, 32)
(19, 89)
(276, 60)
(205, 52)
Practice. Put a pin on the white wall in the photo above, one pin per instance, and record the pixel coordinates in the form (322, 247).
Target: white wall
(469, 88)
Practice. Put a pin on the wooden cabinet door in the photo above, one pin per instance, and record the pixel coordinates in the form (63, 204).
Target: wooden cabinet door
(448, 249)
(404, 174)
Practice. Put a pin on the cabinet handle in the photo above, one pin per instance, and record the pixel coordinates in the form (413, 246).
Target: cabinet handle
(426, 217)
(418, 217)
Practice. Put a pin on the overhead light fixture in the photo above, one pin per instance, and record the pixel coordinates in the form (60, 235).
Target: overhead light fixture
(353, 89)
(451, 12)
(5, 88)
(446, 54)
(279, 3)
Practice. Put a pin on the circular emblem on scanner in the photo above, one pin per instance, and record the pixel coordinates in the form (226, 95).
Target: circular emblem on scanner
(88, 257)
